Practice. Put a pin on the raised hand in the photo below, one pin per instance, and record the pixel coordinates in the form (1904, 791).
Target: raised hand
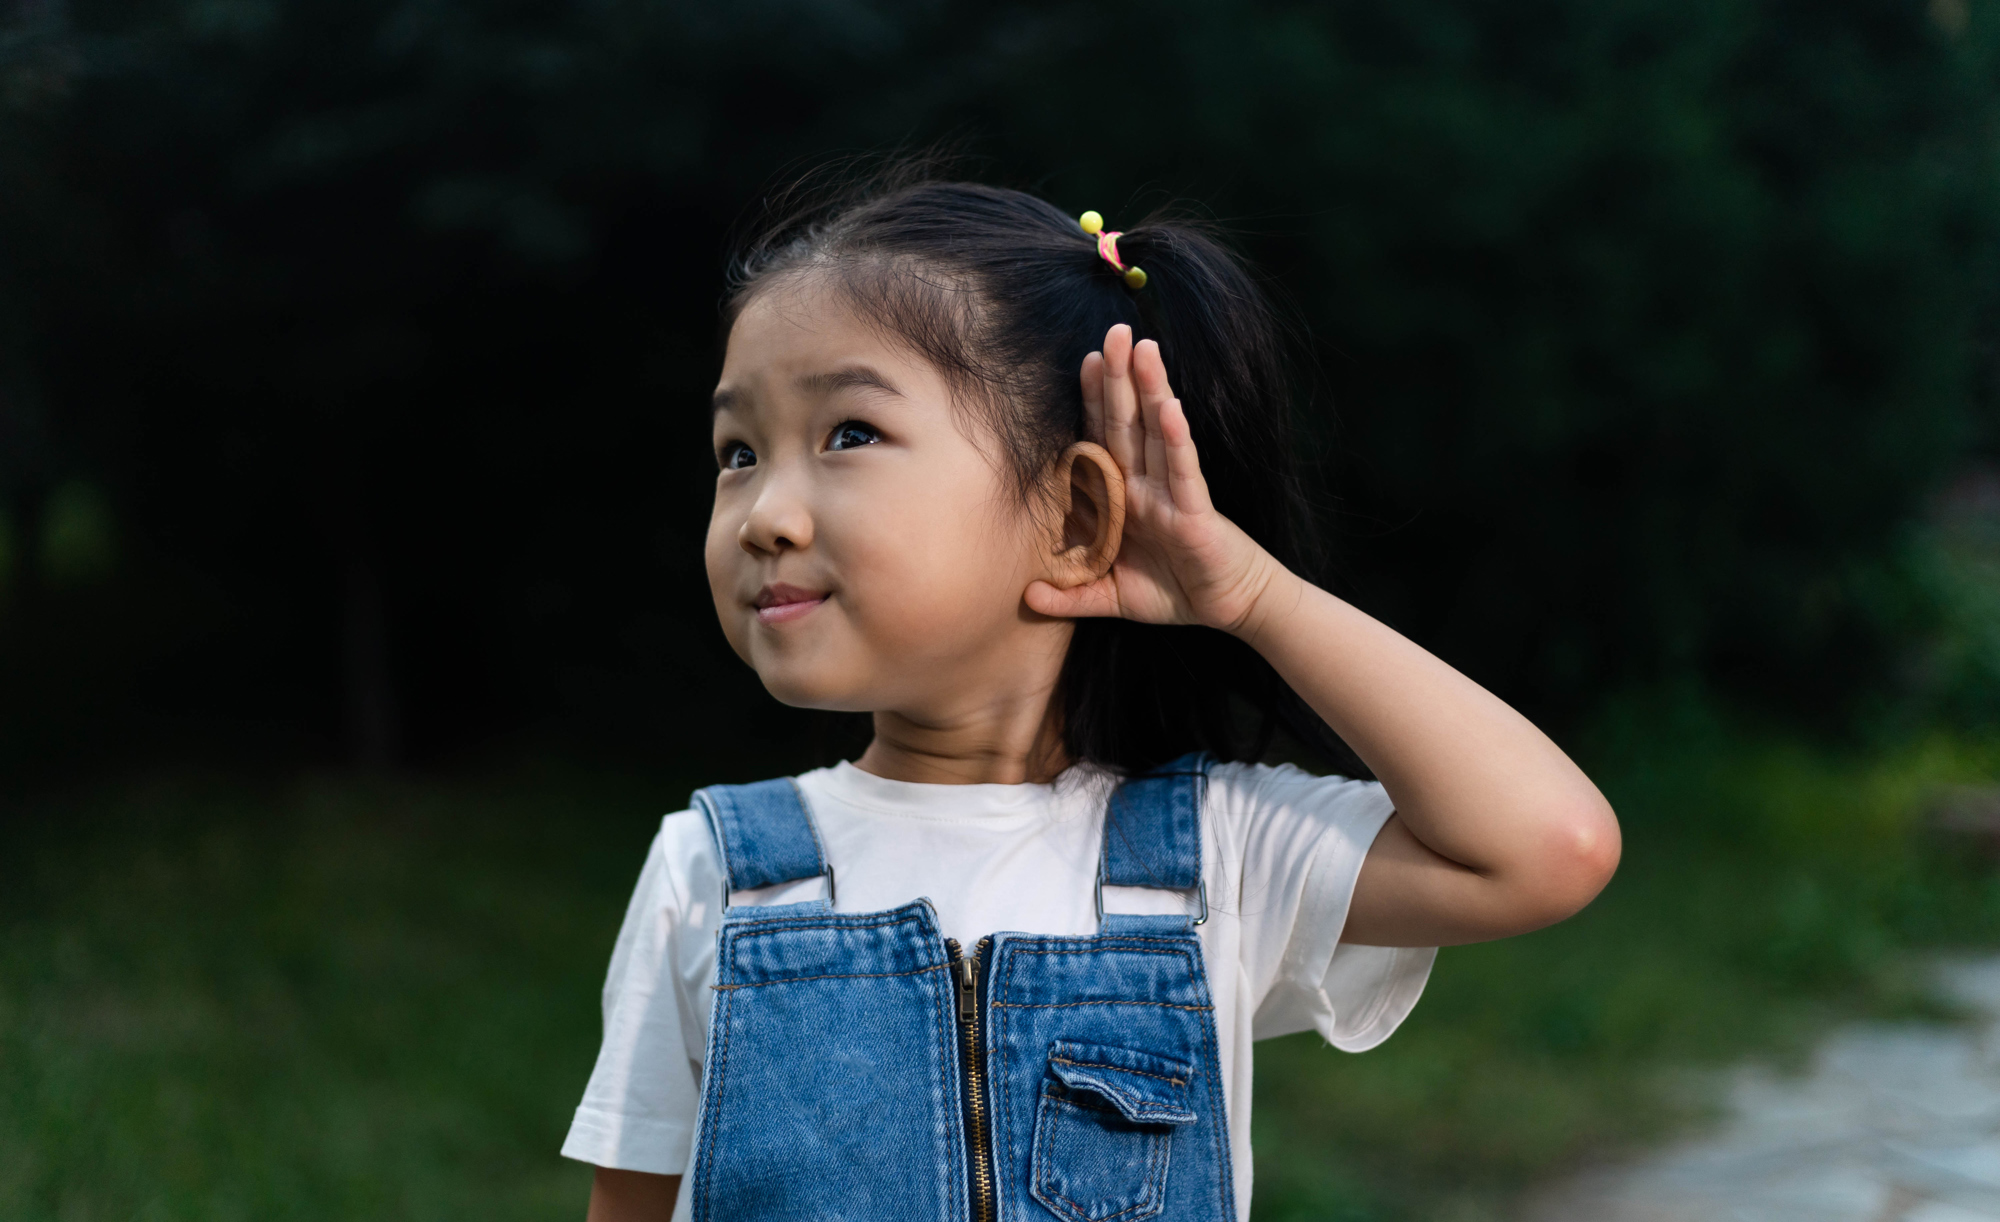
(1181, 562)
(1495, 831)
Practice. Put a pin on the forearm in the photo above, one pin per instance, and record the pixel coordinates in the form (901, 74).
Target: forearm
(1504, 833)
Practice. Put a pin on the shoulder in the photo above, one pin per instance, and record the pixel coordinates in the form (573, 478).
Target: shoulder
(683, 834)
(681, 865)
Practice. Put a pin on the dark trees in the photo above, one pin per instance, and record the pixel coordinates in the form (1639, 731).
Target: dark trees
(385, 326)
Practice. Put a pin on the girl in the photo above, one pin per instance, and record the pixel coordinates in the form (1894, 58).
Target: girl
(959, 490)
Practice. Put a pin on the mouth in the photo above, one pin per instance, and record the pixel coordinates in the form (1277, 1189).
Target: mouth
(779, 604)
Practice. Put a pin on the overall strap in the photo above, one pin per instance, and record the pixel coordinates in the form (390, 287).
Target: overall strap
(765, 834)
(1152, 830)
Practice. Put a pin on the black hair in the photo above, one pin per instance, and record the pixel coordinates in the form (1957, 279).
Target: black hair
(1005, 294)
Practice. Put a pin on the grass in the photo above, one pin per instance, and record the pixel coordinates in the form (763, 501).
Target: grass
(327, 1001)
(334, 999)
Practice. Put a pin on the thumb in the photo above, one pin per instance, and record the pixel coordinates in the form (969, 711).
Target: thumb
(1096, 598)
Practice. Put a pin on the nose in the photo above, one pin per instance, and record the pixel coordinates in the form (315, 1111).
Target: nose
(778, 520)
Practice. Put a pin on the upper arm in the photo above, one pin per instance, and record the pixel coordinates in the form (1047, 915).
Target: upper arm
(1408, 894)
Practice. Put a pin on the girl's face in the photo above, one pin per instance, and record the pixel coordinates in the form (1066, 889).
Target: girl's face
(866, 552)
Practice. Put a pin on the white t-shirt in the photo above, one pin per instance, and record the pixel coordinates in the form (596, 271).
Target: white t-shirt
(1280, 853)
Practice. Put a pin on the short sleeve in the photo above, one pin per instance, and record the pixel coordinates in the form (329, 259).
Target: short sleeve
(1303, 840)
(638, 1111)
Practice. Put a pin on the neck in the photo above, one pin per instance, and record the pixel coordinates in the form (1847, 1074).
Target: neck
(996, 750)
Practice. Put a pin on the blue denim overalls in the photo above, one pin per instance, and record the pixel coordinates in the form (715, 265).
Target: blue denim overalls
(863, 1068)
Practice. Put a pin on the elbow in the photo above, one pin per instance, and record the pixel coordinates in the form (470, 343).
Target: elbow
(1584, 854)
(1580, 853)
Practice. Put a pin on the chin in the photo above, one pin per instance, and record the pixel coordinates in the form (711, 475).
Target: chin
(813, 691)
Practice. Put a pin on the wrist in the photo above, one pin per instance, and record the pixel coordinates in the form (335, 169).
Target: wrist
(1274, 592)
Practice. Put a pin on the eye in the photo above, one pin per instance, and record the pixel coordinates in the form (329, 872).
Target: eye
(850, 434)
(736, 456)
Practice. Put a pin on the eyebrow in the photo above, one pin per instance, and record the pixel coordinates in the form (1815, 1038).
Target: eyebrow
(855, 377)
(858, 377)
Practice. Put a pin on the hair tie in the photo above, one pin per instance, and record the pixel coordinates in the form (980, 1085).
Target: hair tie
(1107, 248)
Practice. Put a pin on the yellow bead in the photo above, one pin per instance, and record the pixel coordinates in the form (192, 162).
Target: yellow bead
(1091, 222)
(1136, 277)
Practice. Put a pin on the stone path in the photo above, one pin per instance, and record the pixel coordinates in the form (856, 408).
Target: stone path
(1892, 1123)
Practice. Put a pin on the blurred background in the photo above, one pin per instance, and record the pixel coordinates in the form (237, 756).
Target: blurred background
(353, 468)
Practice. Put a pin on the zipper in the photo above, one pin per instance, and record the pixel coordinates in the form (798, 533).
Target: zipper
(979, 1136)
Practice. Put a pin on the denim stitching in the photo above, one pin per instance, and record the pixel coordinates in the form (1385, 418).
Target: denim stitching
(770, 925)
(1100, 950)
(1057, 1005)
(702, 1183)
(710, 803)
(758, 984)
(1225, 1179)
(1120, 1068)
(1035, 1156)
(1007, 1079)
(718, 1035)
(1117, 941)
(1079, 1097)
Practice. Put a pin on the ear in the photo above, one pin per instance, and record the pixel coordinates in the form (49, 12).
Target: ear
(1090, 490)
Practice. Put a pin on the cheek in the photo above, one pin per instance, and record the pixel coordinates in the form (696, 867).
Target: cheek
(720, 555)
(934, 561)
(717, 547)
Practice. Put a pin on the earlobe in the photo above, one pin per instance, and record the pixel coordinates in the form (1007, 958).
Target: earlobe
(1092, 492)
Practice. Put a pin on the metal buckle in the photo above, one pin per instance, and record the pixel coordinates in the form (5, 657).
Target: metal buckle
(830, 893)
(1201, 892)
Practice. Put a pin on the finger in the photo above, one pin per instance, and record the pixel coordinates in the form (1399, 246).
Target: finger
(1149, 379)
(1185, 482)
(1124, 432)
(1079, 602)
(1149, 369)
(1093, 397)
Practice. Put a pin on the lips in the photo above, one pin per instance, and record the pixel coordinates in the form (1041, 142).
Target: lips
(781, 603)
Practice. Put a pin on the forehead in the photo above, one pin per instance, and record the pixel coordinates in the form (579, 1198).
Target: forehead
(801, 328)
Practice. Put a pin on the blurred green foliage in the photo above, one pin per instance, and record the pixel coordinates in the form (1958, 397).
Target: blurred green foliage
(77, 545)
(1645, 327)
(329, 1001)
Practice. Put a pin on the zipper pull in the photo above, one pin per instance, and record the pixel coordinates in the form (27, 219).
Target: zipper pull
(968, 989)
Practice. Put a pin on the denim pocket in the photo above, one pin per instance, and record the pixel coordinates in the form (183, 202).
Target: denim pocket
(1104, 1131)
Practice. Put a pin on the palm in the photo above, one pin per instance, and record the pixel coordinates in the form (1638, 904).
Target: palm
(1181, 562)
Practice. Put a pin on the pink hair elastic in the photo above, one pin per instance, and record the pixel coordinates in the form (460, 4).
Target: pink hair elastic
(1107, 248)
